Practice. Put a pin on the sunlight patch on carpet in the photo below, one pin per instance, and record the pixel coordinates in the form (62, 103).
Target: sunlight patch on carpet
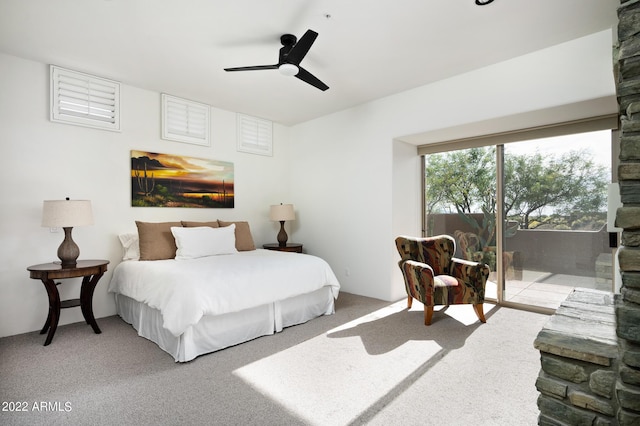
(464, 314)
(335, 377)
(373, 316)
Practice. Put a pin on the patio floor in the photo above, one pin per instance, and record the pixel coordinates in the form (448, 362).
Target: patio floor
(544, 289)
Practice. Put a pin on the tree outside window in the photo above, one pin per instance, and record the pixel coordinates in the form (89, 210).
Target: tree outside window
(566, 191)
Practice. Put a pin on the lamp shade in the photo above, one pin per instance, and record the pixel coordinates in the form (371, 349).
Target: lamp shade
(66, 213)
(282, 212)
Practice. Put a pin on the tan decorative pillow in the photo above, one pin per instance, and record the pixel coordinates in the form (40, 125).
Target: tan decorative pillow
(244, 240)
(156, 240)
(189, 224)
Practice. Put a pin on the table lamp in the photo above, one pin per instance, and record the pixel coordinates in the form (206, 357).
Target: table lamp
(281, 213)
(66, 214)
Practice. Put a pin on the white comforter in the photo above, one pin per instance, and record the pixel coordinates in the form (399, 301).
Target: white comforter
(185, 290)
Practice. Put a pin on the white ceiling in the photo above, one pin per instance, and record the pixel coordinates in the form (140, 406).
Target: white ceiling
(366, 49)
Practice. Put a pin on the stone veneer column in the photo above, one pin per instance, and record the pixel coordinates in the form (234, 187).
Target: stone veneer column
(628, 216)
(579, 358)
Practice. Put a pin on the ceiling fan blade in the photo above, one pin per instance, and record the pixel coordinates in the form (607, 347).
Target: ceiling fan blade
(307, 77)
(254, 68)
(300, 49)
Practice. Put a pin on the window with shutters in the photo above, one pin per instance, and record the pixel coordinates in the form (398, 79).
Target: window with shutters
(84, 100)
(255, 135)
(185, 121)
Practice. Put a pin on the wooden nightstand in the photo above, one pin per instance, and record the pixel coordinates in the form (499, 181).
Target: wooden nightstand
(90, 270)
(292, 247)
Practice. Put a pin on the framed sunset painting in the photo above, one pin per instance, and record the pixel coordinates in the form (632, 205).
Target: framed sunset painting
(165, 180)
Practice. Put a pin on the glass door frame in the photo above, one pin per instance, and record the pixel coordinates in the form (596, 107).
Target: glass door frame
(501, 284)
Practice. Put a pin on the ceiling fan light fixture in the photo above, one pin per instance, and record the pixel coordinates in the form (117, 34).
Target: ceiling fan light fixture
(288, 69)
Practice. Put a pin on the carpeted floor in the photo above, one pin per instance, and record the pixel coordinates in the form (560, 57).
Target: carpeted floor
(373, 362)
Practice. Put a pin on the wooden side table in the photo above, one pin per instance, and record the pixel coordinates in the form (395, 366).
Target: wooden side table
(90, 270)
(292, 247)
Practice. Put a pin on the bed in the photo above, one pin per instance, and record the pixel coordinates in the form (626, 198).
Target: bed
(191, 302)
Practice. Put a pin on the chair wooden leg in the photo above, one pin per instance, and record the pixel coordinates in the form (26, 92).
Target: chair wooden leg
(428, 313)
(409, 302)
(478, 307)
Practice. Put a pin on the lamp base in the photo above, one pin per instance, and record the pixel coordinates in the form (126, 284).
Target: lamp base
(68, 251)
(282, 235)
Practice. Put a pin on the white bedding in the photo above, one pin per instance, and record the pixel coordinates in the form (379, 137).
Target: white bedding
(186, 290)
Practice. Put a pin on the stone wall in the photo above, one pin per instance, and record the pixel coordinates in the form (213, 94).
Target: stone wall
(628, 216)
(578, 253)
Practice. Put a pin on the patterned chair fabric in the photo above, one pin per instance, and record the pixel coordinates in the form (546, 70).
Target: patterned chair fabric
(435, 277)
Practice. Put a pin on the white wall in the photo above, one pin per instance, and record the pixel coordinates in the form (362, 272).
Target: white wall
(406, 206)
(347, 168)
(44, 160)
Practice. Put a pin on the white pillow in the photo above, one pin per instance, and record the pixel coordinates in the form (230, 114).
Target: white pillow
(204, 241)
(130, 246)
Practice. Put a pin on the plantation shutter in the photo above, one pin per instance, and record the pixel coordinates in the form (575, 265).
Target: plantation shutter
(84, 100)
(255, 135)
(185, 121)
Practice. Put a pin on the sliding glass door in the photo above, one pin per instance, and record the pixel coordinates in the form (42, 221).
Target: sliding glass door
(555, 204)
(551, 195)
(460, 200)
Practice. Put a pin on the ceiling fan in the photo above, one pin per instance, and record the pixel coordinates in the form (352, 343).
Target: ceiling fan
(291, 54)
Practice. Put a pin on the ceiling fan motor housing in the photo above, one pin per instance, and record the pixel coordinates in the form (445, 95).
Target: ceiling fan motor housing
(288, 39)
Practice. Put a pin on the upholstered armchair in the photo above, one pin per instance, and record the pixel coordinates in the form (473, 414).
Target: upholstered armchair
(434, 277)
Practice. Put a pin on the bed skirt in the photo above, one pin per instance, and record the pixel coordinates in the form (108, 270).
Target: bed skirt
(213, 333)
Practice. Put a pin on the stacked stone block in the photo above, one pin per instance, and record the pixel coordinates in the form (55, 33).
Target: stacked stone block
(628, 216)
